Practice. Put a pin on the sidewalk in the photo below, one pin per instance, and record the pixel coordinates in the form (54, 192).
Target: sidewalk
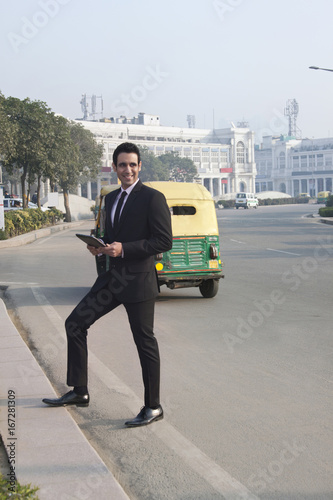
(45, 444)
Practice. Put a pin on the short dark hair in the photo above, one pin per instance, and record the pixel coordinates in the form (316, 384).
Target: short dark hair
(126, 147)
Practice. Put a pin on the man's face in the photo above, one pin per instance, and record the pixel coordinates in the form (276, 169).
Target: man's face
(127, 169)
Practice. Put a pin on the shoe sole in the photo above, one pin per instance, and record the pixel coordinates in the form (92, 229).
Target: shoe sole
(84, 405)
(160, 417)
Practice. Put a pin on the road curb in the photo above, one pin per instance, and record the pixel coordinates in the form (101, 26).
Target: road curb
(26, 238)
(326, 220)
(45, 445)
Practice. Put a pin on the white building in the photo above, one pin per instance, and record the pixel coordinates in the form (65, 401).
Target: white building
(294, 166)
(224, 158)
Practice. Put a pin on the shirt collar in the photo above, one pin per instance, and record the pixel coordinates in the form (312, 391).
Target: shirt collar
(129, 189)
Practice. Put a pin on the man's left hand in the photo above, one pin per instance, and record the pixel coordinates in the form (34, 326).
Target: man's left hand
(112, 250)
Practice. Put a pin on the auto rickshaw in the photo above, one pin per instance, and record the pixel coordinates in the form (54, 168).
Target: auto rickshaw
(323, 196)
(194, 259)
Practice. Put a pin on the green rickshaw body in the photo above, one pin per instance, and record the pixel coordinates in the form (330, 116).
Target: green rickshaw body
(194, 259)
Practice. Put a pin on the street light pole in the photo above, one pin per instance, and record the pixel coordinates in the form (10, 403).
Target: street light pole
(323, 69)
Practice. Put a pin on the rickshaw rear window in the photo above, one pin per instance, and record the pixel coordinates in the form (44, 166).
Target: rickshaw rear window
(182, 210)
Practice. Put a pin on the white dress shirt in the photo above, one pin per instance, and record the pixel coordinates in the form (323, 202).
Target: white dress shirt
(114, 206)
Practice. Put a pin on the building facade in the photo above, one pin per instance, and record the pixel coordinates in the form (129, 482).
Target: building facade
(294, 166)
(224, 158)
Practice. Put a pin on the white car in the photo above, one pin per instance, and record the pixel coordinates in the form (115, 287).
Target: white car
(17, 204)
(246, 200)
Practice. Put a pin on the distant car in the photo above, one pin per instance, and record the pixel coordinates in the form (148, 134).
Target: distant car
(303, 195)
(246, 200)
(17, 204)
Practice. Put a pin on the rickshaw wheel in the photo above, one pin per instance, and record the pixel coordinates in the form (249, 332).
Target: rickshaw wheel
(209, 288)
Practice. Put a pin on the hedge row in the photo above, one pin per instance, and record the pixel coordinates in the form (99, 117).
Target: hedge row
(326, 212)
(267, 201)
(283, 201)
(23, 221)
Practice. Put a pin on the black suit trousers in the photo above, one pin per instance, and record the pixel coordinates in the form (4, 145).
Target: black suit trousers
(141, 319)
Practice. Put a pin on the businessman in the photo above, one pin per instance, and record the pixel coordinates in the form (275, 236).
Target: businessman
(138, 226)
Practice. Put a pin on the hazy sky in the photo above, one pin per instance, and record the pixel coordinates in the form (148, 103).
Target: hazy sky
(232, 59)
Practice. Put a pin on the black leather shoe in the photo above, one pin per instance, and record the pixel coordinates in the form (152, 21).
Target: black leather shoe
(70, 398)
(146, 416)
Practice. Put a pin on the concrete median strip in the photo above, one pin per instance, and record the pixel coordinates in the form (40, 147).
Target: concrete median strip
(24, 239)
(45, 446)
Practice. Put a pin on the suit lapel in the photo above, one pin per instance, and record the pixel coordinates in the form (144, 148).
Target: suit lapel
(108, 206)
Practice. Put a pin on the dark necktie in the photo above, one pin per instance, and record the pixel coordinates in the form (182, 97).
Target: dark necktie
(118, 209)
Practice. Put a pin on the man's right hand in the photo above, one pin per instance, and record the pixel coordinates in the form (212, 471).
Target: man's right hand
(94, 251)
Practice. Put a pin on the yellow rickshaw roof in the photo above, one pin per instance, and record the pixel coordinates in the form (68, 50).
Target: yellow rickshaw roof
(107, 189)
(179, 194)
(181, 190)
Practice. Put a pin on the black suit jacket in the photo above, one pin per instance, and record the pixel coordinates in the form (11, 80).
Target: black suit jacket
(144, 230)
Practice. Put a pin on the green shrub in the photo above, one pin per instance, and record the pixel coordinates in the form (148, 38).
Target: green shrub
(16, 492)
(326, 212)
(226, 203)
(23, 221)
(302, 199)
(2, 235)
(282, 201)
(329, 202)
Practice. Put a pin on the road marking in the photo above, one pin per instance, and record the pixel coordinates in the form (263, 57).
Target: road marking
(49, 310)
(236, 241)
(216, 476)
(283, 251)
(43, 240)
(270, 249)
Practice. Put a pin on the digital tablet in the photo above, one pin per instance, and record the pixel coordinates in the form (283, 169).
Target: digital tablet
(91, 240)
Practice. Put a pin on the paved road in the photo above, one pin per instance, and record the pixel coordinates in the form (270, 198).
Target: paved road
(246, 376)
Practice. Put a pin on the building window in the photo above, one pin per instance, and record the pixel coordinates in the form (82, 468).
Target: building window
(304, 162)
(311, 161)
(295, 162)
(240, 151)
(320, 160)
(224, 157)
(328, 160)
(282, 160)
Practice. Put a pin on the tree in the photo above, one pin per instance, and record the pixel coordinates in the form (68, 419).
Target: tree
(7, 133)
(26, 147)
(179, 169)
(90, 152)
(75, 155)
(152, 167)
